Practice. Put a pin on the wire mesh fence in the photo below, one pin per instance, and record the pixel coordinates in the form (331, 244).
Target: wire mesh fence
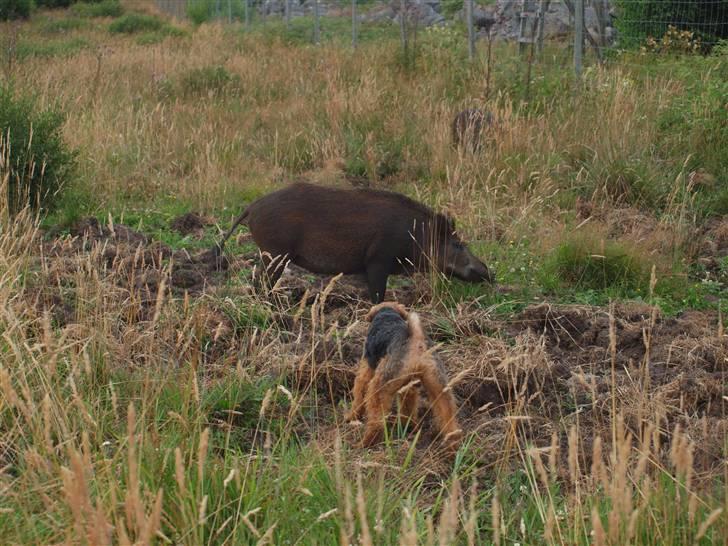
(596, 30)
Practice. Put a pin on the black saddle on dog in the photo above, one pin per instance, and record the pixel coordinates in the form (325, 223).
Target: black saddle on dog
(388, 329)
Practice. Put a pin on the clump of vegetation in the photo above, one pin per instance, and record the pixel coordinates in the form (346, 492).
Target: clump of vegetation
(15, 9)
(104, 8)
(61, 26)
(674, 41)
(207, 80)
(585, 262)
(39, 161)
(155, 37)
(136, 22)
(55, 48)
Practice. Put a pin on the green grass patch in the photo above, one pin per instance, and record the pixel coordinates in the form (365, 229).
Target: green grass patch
(132, 23)
(106, 8)
(206, 81)
(54, 48)
(158, 36)
(63, 26)
(331, 29)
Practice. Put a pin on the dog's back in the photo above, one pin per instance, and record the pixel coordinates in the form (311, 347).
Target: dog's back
(388, 332)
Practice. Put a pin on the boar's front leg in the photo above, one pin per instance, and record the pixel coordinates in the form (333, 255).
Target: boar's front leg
(377, 274)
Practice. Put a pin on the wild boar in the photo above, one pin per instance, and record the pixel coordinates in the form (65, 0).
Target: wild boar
(375, 233)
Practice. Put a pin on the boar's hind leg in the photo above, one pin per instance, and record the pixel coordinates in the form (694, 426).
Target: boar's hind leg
(377, 281)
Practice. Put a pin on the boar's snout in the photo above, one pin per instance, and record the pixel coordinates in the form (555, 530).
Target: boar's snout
(476, 272)
(465, 266)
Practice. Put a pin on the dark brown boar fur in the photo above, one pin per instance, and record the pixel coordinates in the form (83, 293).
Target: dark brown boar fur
(376, 233)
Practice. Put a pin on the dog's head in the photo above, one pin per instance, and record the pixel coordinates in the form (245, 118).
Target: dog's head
(397, 307)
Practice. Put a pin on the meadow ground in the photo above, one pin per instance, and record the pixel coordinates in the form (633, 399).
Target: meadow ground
(146, 396)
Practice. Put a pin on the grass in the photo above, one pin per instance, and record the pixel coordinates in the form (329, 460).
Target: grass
(136, 413)
(104, 8)
(135, 22)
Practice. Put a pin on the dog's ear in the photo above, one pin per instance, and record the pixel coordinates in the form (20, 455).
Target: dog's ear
(399, 308)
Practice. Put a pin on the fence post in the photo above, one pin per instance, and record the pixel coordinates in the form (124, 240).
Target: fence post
(288, 14)
(403, 27)
(353, 24)
(316, 28)
(471, 30)
(543, 6)
(230, 12)
(247, 14)
(578, 36)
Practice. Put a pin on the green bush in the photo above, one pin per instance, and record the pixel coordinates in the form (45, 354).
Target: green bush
(639, 19)
(39, 160)
(105, 8)
(135, 22)
(15, 9)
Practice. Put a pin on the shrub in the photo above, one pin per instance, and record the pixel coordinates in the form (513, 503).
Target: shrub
(105, 8)
(38, 159)
(640, 19)
(15, 9)
(135, 22)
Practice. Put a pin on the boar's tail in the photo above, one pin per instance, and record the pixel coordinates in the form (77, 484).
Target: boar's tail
(240, 219)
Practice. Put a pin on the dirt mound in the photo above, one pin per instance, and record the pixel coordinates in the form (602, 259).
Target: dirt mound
(190, 223)
(713, 251)
(92, 230)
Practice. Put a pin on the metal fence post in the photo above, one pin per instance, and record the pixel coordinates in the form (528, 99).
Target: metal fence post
(353, 24)
(316, 28)
(288, 14)
(578, 36)
(247, 14)
(471, 30)
(230, 11)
